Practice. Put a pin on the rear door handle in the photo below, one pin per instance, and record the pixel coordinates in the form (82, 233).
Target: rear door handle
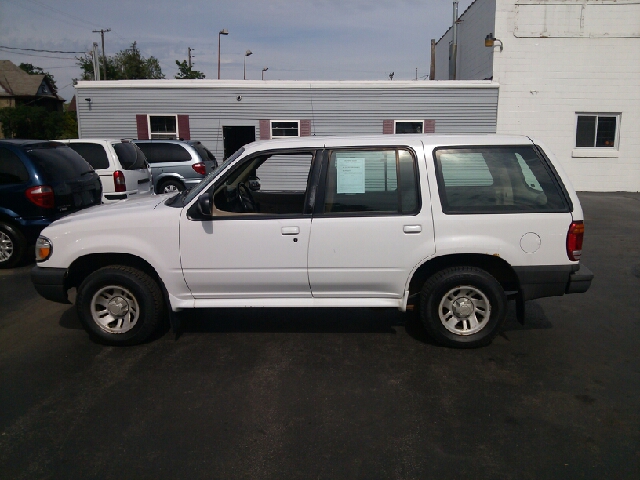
(290, 230)
(412, 228)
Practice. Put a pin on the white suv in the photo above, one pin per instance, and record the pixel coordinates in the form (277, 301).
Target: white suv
(456, 224)
(122, 167)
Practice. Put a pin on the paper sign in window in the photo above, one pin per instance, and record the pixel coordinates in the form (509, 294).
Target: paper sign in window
(350, 173)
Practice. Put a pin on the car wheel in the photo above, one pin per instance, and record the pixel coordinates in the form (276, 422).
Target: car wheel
(463, 307)
(120, 305)
(12, 246)
(171, 186)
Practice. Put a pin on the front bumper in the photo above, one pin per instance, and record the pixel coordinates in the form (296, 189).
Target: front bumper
(50, 283)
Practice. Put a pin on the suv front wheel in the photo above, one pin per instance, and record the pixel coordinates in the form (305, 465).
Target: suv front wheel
(463, 307)
(119, 305)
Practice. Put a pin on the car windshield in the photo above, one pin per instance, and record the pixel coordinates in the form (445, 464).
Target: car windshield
(186, 196)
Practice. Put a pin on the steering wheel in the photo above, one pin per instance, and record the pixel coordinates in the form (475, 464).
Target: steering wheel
(246, 199)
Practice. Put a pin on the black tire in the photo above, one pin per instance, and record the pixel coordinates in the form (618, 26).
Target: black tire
(169, 186)
(478, 307)
(13, 246)
(132, 293)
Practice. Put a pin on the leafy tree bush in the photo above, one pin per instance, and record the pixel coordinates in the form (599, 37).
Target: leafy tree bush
(127, 64)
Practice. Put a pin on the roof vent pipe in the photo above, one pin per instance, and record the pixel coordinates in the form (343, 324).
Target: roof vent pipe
(453, 52)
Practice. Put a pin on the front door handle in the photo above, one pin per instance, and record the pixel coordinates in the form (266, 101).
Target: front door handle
(290, 230)
(412, 228)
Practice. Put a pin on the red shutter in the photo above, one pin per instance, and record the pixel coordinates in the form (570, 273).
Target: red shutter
(143, 127)
(183, 127)
(265, 129)
(305, 128)
(388, 127)
(429, 126)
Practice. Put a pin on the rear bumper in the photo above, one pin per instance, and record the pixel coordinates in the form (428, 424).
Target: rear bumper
(553, 280)
(50, 283)
(580, 281)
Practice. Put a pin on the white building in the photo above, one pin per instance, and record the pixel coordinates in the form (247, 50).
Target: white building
(569, 74)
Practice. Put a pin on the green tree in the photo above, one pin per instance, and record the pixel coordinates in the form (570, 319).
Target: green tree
(185, 71)
(32, 123)
(127, 64)
(33, 70)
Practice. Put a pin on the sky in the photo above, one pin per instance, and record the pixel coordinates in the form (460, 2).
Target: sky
(294, 39)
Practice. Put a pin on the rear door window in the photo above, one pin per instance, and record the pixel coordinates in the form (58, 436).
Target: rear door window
(93, 153)
(501, 179)
(131, 158)
(59, 163)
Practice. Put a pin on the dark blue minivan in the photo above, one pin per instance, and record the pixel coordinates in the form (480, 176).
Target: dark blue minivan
(40, 181)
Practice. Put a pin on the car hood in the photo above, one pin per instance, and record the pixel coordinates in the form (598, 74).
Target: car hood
(125, 208)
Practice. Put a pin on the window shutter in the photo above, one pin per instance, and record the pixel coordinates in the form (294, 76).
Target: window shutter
(143, 127)
(305, 128)
(429, 126)
(265, 129)
(183, 127)
(387, 127)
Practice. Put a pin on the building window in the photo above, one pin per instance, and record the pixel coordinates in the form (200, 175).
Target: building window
(409, 126)
(163, 127)
(283, 129)
(597, 130)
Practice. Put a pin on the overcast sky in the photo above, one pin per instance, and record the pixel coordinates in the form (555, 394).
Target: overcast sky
(295, 39)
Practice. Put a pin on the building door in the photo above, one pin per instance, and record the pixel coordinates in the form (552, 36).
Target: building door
(236, 137)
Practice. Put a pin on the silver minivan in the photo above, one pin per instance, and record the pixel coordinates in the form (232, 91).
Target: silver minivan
(177, 164)
(123, 170)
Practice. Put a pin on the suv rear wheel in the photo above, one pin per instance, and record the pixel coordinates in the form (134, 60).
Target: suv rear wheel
(463, 307)
(12, 246)
(120, 305)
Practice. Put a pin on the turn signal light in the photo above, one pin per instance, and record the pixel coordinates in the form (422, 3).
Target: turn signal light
(41, 196)
(119, 182)
(43, 249)
(199, 168)
(575, 236)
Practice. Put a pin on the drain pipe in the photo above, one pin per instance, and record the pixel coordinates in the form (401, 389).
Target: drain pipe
(453, 53)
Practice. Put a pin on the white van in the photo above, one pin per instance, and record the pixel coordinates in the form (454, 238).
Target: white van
(457, 225)
(123, 169)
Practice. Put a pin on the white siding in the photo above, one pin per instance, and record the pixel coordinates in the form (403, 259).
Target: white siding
(544, 82)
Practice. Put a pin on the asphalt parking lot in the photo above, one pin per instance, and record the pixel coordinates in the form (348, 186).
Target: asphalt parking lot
(328, 393)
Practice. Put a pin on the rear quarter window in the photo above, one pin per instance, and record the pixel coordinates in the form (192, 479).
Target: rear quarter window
(500, 179)
(93, 153)
(59, 163)
(164, 152)
(12, 170)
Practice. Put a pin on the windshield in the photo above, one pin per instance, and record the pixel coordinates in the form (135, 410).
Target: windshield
(189, 195)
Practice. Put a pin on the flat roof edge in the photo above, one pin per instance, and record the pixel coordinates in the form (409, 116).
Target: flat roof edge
(282, 84)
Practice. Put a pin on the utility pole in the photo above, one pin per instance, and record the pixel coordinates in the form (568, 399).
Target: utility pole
(189, 54)
(102, 31)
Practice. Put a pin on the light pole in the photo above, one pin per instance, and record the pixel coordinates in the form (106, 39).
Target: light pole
(246, 54)
(264, 70)
(221, 32)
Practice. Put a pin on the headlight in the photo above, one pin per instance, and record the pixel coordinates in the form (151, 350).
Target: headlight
(44, 249)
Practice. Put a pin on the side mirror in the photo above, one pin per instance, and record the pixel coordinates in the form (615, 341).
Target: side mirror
(254, 184)
(205, 204)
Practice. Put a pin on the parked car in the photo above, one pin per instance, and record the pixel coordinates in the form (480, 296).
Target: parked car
(122, 167)
(177, 164)
(40, 182)
(455, 224)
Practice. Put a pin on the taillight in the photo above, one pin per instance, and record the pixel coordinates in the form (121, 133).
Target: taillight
(199, 168)
(41, 196)
(118, 180)
(574, 240)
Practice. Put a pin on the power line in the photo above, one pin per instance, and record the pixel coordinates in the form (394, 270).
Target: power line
(34, 55)
(37, 50)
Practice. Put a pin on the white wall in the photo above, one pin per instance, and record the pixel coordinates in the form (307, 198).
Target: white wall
(588, 62)
(474, 61)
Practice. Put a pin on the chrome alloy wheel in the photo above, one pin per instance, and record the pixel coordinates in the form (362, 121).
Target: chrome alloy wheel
(170, 188)
(115, 309)
(6, 247)
(464, 310)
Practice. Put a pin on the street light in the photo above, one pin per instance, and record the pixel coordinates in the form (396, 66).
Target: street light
(246, 54)
(221, 32)
(264, 70)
